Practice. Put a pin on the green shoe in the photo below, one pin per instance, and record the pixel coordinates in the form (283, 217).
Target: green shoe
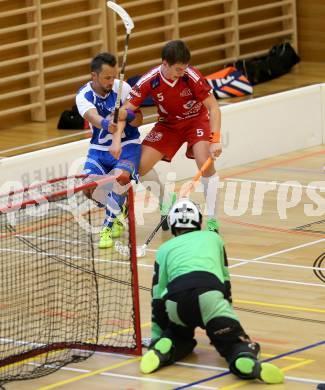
(119, 223)
(253, 369)
(213, 225)
(165, 208)
(271, 374)
(245, 365)
(105, 240)
(156, 357)
(117, 228)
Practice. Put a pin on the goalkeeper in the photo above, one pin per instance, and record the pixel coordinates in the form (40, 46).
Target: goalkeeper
(191, 288)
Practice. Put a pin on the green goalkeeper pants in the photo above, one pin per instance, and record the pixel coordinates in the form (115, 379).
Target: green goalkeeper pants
(209, 310)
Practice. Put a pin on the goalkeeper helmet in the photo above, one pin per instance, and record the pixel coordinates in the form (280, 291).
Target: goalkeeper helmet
(184, 215)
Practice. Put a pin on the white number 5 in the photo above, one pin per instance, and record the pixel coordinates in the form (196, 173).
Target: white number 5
(160, 96)
(199, 132)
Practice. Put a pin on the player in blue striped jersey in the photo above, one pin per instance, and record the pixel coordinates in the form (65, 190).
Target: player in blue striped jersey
(109, 149)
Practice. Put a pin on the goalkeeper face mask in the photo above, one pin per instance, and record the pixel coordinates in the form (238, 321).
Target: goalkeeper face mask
(184, 215)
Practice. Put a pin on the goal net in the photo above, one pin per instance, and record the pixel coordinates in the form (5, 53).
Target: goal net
(61, 298)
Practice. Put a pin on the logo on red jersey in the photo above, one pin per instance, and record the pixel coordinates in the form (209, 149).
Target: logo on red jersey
(186, 92)
(154, 136)
(135, 91)
(193, 110)
(188, 105)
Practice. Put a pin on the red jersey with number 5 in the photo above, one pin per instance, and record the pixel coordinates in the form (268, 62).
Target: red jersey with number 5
(176, 100)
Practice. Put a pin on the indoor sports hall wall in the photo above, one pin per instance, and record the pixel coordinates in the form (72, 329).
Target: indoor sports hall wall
(46, 45)
(252, 130)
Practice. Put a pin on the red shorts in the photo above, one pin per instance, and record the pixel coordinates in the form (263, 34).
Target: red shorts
(168, 138)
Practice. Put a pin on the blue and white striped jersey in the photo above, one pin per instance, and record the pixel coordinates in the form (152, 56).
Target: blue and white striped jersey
(87, 99)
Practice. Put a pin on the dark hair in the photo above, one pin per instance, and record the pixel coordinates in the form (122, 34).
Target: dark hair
(176, 52)
(101, 59)
(179, 231)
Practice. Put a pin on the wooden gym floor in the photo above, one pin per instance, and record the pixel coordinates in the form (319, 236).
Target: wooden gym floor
(277, 294)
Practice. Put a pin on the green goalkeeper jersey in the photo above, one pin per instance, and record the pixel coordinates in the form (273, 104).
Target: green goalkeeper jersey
(191, 260)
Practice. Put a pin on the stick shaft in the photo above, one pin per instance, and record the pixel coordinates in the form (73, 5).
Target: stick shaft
(194, 181)
(199, 173)
(119, 93)
(129, 25)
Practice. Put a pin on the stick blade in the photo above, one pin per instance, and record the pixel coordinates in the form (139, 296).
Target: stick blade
(141, 251)
(122, 249)
(128, 22)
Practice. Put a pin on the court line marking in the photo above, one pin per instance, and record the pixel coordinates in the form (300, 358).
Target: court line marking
(272, 228)
(34, 252)
(281, 252)
(272, 253)
(259, 278)
(33, 360)
(277, 183)
(242, 261)
(216, 368)
(154, 380)
(277, 280)
(304, 380)
(295, 359)
(89, 374)
(212, 368)
(284, 369)
(289, 307)
(299, 170)
(245, 276)
(256, 259)
(274, 163)
(292, 352)
(139, 378)
(309, 267)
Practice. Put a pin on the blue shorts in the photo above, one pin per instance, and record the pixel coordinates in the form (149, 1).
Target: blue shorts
(101, 162)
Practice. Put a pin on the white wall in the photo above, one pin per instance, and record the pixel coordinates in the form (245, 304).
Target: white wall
(251, 130)
(43, 164)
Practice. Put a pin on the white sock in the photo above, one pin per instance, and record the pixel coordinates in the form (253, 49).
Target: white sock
(210, 189)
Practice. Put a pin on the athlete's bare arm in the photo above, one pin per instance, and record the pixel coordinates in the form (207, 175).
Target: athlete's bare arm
(94, 118)
(215, 123)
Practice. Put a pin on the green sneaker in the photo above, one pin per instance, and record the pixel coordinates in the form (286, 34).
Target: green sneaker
(245, 365)
(157, 356)
(271, 374)
(165, 208)
(119, 223)
(213, 225)
(105, 240)
(266, 372)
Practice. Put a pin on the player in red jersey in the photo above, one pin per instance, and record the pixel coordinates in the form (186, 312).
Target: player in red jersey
(188, 112)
